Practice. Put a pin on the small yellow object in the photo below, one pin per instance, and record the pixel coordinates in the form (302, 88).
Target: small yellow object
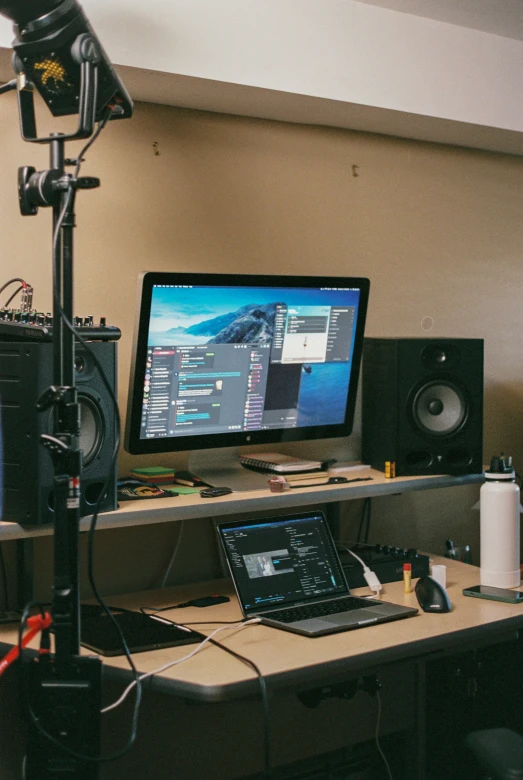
(390, 469)
(407, 575)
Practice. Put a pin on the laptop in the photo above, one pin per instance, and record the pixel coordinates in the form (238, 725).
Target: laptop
(287, 571)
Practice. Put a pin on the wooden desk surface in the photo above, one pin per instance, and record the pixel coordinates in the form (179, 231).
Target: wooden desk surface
(292, 661)
(188, 507)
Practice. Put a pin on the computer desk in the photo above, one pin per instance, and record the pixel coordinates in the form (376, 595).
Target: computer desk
(293, 665)
(131, 514)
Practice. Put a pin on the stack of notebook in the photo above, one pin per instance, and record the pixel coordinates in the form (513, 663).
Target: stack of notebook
(153, 475)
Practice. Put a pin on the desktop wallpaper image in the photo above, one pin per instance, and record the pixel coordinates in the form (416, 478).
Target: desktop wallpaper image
(183, 316)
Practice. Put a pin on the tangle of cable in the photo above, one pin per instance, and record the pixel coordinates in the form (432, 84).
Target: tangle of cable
(169, 664)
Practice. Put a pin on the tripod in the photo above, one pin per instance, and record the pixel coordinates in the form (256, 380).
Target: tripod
(63, 691)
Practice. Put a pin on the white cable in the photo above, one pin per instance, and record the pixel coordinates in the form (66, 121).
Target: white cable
(173, 556)
(178, 661)
(371, 577)
(377, 737)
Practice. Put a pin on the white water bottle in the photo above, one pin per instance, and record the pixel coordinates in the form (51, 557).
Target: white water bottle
(499, 533)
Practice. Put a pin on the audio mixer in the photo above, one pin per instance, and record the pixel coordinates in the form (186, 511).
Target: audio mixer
(19, 325)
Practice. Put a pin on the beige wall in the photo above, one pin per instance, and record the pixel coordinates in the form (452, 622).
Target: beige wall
(438, 230)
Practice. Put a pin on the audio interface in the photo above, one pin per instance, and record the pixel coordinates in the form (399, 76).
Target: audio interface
(385, 561)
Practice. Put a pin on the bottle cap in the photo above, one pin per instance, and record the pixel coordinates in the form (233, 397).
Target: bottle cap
(500, 468)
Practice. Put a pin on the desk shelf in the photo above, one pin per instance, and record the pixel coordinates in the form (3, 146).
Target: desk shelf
(188, 507)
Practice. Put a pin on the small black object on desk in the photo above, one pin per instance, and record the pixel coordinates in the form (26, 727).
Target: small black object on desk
(432, 597)
(212, 492)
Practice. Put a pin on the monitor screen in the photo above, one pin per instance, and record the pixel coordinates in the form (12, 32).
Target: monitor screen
(225, 360)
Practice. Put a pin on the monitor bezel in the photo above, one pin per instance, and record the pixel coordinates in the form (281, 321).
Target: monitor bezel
(137, 446)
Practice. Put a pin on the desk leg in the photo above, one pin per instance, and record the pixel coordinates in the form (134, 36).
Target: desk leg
(420, 748)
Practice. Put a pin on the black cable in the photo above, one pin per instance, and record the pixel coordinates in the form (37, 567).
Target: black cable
(25, 614)
(267, 771)
(12, 281)
(369, 509)
(362, 519)
(196, 623)
(8, 86)
(14, 295)
(4, 578)
(244, 659)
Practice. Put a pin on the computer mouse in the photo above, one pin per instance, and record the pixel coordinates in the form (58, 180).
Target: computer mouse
(431, 596)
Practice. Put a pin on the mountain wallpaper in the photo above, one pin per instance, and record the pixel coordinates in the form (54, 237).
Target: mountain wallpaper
(250, 324)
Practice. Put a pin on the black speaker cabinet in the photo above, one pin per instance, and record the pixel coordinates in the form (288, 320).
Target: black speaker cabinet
(26, 371)
(422, 405)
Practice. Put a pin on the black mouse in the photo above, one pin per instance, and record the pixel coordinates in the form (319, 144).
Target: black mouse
(431, 596)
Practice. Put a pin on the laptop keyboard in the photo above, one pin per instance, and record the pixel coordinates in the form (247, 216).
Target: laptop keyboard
(307, 611)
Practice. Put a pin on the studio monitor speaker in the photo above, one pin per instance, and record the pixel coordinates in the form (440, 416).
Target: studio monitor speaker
(422, 405)
(26, 371)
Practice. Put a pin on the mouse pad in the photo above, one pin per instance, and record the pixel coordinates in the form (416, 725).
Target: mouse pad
(141, 633)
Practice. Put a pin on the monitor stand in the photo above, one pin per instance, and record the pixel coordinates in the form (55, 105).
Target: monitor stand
(222, 468)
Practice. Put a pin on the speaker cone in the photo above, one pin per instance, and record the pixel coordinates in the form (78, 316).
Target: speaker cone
(91, 428)
(439, 408)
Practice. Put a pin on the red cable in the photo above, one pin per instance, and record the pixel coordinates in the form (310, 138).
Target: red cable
(36, 624)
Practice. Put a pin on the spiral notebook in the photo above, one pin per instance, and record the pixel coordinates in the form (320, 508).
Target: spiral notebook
(279, 463)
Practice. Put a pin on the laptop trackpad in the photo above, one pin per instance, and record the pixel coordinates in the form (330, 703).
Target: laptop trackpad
(357, 616)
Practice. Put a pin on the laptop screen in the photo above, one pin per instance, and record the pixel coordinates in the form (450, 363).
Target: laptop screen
(282, 560)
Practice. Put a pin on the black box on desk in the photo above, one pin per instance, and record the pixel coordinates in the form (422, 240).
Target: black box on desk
(386, 562)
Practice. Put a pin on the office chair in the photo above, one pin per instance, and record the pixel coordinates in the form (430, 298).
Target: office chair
(498, 752)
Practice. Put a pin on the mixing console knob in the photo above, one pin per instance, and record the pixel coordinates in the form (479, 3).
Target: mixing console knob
(40, 319)
(48, 318)
(78, 321)
(103, 321)
(18, 315)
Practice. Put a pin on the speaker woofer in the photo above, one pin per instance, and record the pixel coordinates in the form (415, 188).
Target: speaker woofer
(439, 408)
(91, 428)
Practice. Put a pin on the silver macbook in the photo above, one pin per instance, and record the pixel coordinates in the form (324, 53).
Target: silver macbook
(286, 571)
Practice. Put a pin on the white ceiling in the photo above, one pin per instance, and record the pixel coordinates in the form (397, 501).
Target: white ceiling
(499, 17)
